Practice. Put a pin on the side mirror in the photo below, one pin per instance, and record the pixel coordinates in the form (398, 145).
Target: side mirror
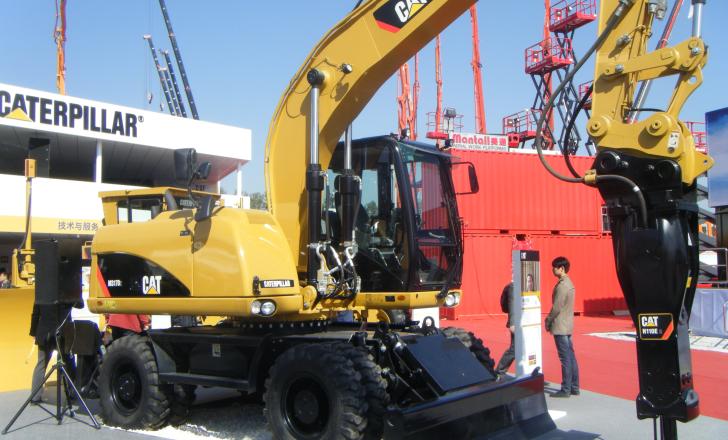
(185, 160)
(204, 209)
(203, 171)
(472, 178)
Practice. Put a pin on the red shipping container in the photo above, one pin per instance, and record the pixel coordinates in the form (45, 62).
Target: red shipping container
(592, 271)
(517, 195)
(487, 269)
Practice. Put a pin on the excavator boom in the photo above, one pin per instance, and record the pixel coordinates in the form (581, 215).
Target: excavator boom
(374, 39)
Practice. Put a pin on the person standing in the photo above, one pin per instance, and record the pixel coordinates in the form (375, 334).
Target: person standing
(560, 323)
(510, 354)
(44, 322)
(4, 281)
(125, 324)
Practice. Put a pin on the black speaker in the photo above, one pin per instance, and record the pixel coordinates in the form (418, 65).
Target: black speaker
(58, 271)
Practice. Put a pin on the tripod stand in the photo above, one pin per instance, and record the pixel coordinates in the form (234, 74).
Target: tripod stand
(63, 380)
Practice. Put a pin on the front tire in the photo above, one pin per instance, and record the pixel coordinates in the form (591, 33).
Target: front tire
(129, 390)
(314, 392)
(475, 344)
(375, 388)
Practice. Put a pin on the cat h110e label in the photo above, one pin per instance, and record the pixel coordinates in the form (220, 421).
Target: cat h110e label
(655, 326)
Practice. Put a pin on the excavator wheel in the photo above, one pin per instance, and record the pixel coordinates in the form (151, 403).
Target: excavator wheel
(129, 390)
(474, 343)
(375, 387)
(180, 398)
(314, 391)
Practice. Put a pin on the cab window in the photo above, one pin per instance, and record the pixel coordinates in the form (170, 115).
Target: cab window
(138, 210)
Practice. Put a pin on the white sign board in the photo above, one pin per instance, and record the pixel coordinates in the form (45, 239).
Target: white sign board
(51, 112)
(717, 127)
(480, 142)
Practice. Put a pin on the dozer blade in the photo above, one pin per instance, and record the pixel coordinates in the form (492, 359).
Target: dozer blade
(510, 409)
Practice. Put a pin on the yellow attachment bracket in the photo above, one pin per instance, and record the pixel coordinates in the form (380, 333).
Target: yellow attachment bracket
(620, 67)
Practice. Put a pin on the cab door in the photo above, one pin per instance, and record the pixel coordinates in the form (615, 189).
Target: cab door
(149, 251)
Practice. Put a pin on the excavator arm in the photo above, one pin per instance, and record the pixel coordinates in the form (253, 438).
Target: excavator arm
(354, 58)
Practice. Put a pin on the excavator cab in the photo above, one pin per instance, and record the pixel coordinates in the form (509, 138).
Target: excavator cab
(406, 228)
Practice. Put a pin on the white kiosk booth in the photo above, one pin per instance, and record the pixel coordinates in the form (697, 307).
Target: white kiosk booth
(526, 311)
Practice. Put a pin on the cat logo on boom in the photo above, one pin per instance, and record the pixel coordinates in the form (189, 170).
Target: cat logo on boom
(396, 13)
(152, 284)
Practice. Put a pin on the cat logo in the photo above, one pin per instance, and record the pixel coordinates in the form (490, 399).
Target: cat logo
(655, 326)
(396, 13)
(152, 284)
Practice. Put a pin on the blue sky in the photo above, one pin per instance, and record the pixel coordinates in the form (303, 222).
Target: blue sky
(239, 56)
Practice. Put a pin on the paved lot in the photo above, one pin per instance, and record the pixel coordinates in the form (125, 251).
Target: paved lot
(219, 414)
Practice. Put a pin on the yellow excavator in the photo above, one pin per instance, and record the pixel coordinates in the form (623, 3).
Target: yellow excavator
(360, 227)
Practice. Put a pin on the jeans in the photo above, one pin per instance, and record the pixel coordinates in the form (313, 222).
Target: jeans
(569, 367)
(507, 358)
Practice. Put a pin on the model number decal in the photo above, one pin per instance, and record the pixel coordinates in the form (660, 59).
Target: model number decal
(655, 326)
(274, 284)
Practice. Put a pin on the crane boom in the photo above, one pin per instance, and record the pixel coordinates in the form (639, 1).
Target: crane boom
(59, 35)
(175, 88)
(477, 74)
(178, 57)
(162, 78)
(385, 34)
(403, 98)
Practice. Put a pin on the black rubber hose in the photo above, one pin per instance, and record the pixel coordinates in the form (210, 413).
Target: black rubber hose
(611, 23)
(636, 189)
(570, 126)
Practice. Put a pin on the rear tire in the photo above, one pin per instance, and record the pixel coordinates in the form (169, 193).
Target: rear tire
(129, 390)
(314, 392)
(475, 344)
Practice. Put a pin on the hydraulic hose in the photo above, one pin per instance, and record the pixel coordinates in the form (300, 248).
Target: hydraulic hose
(612, 22)
(570, 126)
(636, 189)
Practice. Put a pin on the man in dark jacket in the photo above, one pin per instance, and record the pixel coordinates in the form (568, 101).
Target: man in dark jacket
(43, 324)
(560, 323)
(509, 355)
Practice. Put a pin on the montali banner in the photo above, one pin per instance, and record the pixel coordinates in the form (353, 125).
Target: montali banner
(480, 142)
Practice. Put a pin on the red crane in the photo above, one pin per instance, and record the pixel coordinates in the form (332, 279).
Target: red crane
(403, 98)
(59, 35)
(407, 101)
(438, 81)
(415, 99)
(477, 75)
(435, 122)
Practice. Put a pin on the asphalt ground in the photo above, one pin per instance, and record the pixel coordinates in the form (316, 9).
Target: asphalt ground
(609, 366)
(220, 414)
(604, 410)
